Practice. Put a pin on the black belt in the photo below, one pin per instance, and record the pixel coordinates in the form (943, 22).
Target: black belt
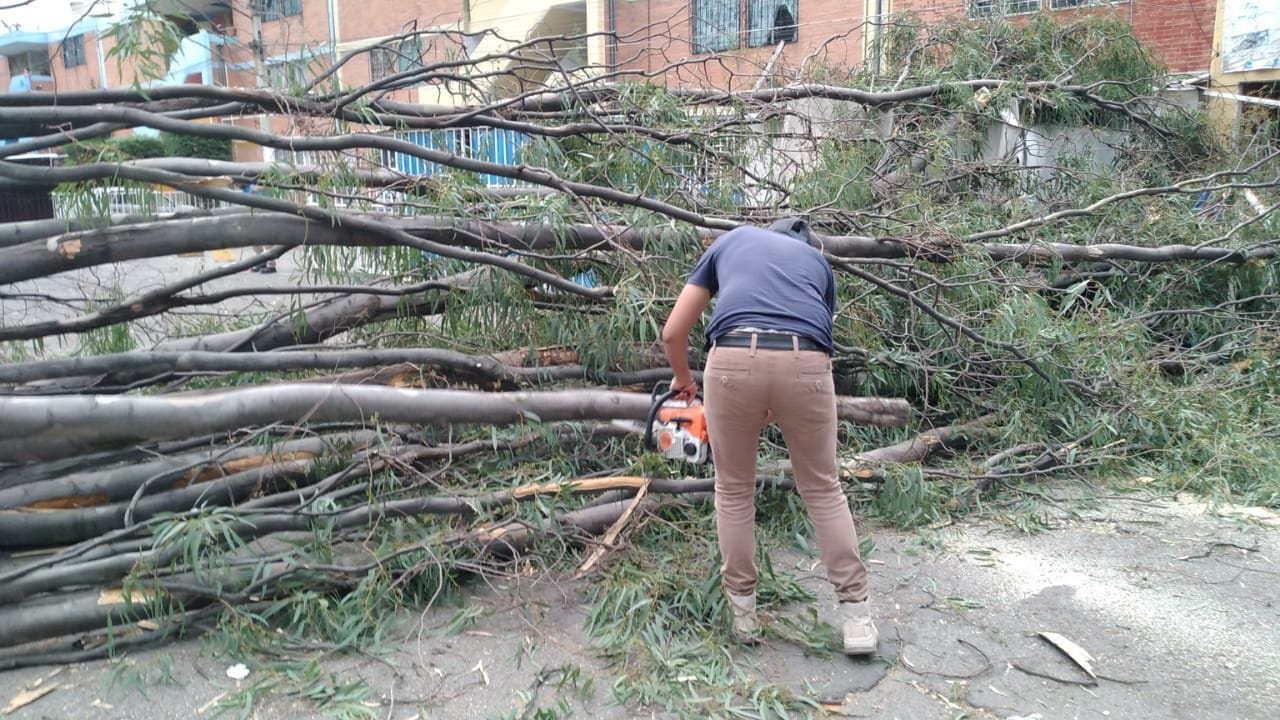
(767, 341)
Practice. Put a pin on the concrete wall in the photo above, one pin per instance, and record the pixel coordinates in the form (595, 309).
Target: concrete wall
(1007, 140)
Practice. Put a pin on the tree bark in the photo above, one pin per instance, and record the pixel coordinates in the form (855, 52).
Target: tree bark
(66, 615)
(120, 483)
(22, 528)
(313, 325)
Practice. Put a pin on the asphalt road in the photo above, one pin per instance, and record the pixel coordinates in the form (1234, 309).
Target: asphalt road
(61, 296)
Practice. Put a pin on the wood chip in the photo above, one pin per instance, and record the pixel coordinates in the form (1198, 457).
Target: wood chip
(212, 701)
(115, 596)
(1078, 655)
(583, 485)
(28, 696)
(612, 534)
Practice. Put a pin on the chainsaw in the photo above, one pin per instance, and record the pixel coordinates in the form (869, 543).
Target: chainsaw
(677, 429)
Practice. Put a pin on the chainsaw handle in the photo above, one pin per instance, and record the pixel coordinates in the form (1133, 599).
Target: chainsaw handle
(654, 406)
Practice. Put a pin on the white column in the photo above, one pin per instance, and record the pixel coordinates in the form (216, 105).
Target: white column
(598, 21)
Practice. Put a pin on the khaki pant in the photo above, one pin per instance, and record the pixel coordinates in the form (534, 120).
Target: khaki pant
(741, 386)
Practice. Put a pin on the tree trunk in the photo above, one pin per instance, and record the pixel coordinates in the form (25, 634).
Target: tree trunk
(34, 429)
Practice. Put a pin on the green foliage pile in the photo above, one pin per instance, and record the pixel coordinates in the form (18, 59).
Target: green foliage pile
(195, 147)
(140, 147)
(132, 147)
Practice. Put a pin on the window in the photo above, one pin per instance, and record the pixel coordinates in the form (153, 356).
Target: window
(716, 25)
(1067, 4)
(277, 9)
(410, 55)
(771, 21)
(982, 8)
(37, 60)
(289, 75)
(381, 62)
(988, 8)
(73, 51)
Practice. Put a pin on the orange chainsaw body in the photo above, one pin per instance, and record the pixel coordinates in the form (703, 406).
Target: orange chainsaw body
(680, 431)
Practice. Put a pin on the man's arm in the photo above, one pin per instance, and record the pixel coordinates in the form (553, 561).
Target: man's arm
(675, 337)
(830, 295)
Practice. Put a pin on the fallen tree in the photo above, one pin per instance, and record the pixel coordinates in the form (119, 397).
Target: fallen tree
(999, 319)
(93, 247)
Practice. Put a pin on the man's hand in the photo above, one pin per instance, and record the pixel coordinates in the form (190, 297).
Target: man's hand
(685, 390)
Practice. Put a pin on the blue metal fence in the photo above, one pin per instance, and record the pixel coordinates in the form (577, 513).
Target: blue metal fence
(488, 144)
(496, 146)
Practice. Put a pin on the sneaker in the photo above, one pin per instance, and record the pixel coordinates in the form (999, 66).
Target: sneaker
(268, 268)
(860, 636)
(746, 626)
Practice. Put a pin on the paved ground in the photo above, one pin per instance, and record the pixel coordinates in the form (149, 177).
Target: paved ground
(1175, 602)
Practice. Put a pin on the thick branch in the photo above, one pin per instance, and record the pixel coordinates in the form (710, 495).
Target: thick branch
(88, 248)
(33, 429)
(474, 368)
(121, 483)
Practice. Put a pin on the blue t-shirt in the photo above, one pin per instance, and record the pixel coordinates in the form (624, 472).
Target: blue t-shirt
(767, 280)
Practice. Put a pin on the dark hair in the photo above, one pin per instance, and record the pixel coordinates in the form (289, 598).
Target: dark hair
(795, 227)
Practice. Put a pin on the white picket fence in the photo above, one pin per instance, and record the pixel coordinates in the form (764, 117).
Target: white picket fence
(127, 201)
(147, 201)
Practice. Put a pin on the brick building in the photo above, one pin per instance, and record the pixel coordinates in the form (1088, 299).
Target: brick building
(729, 43)
(703, 43)
(283, 43)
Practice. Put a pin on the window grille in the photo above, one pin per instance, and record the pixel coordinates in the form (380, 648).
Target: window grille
(770, 22)
(73, 51)
(382, 61)
(277, 9)
(715, 25)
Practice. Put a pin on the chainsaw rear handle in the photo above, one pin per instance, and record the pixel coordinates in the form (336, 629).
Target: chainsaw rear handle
(655, 404)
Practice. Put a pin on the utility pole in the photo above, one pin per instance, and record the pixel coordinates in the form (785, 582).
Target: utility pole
(260, 67)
